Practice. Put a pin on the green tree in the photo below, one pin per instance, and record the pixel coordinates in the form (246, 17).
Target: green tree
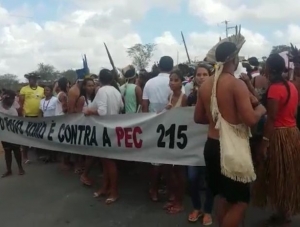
(280, 48)
(141, 54)
(47, 72)
(70, 75)
(9, 81)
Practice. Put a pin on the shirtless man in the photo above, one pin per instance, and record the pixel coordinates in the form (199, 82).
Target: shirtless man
(236, 106)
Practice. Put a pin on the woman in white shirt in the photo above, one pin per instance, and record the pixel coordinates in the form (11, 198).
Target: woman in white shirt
(62, 98)
(86, 97)
(48, 104)
(47, 109)
(108, 101)
(87, 94)
(62, 109)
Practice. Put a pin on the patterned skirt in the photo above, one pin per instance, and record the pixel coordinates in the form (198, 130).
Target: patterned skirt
(278, 178)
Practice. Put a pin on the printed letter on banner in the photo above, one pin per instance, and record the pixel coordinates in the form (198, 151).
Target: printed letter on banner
(171, 137)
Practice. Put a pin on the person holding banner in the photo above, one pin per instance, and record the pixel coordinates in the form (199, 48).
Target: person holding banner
(108, 101)
(87, 96)
(155, 99)
(174, 174)
(225, 104)
(6, 107)
(30, 98)
(61, 108)
(47, 109)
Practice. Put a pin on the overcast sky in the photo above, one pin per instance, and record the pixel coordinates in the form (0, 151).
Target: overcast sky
(58, 32)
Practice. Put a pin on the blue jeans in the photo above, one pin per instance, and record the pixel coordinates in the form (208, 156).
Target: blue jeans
(196, 177)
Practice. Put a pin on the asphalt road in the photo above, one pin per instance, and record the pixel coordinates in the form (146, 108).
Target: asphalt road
(46, 197)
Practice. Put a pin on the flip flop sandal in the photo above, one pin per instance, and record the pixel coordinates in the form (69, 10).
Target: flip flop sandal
(109, 201)
(208, 221)
(86, 182)
(7, 174)
(153, 197)
(174, 210)
(167, 205)
(97, 195)
(195, 215)
(21, 173)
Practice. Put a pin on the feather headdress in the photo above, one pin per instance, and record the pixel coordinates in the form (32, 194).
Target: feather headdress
(294, 55)
(239, 41)
(85, 71)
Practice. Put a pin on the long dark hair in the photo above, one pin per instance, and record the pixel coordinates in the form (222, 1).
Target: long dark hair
(209, 71)
(62, 84)
(83, 91)
(276, 65)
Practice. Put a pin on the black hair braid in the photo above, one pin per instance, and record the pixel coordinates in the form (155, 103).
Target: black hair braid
(278, 78)
(276, 65)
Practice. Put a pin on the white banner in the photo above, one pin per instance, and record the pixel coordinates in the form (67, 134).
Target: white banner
(171, 137)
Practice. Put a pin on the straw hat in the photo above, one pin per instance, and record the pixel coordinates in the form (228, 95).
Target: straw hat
(32, 75)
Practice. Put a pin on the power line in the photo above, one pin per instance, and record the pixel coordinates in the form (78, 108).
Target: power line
(227, 28)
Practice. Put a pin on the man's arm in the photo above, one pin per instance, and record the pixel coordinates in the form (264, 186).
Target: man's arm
(249, 115)
(200, 116)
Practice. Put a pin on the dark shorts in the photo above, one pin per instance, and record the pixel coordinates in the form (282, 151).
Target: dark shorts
(232, 191)
(10, 146)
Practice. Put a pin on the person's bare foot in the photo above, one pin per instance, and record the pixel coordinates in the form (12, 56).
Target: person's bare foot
(153, 195)
(85, 180)
(65, 167)
(175, 209)
(111, 200)
(6, 174)
(207, 220)
(100, 193)
(21, 172)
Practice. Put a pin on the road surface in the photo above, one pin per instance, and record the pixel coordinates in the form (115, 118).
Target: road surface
(46, 197)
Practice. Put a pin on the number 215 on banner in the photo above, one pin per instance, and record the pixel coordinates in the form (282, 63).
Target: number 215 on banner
(176, 135)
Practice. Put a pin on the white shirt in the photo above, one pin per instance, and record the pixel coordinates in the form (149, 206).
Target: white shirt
(48, 106)
(108, 101)
(87, 104)
(157, 91)
(11, 111)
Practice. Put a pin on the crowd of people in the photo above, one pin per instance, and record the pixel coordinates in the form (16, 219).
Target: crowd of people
(253, 138)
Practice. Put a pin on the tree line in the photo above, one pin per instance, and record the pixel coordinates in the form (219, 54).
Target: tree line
(140, 54)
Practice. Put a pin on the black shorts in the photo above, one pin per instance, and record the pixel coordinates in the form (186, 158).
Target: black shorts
(232, 191)
(10, 146)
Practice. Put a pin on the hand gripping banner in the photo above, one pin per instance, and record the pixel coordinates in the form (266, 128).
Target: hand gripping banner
(171, 137)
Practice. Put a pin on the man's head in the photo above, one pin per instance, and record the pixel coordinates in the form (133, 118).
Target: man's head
(225, 53)
(8, 98)
(166, 64)
(105, 77)
(32, 78)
